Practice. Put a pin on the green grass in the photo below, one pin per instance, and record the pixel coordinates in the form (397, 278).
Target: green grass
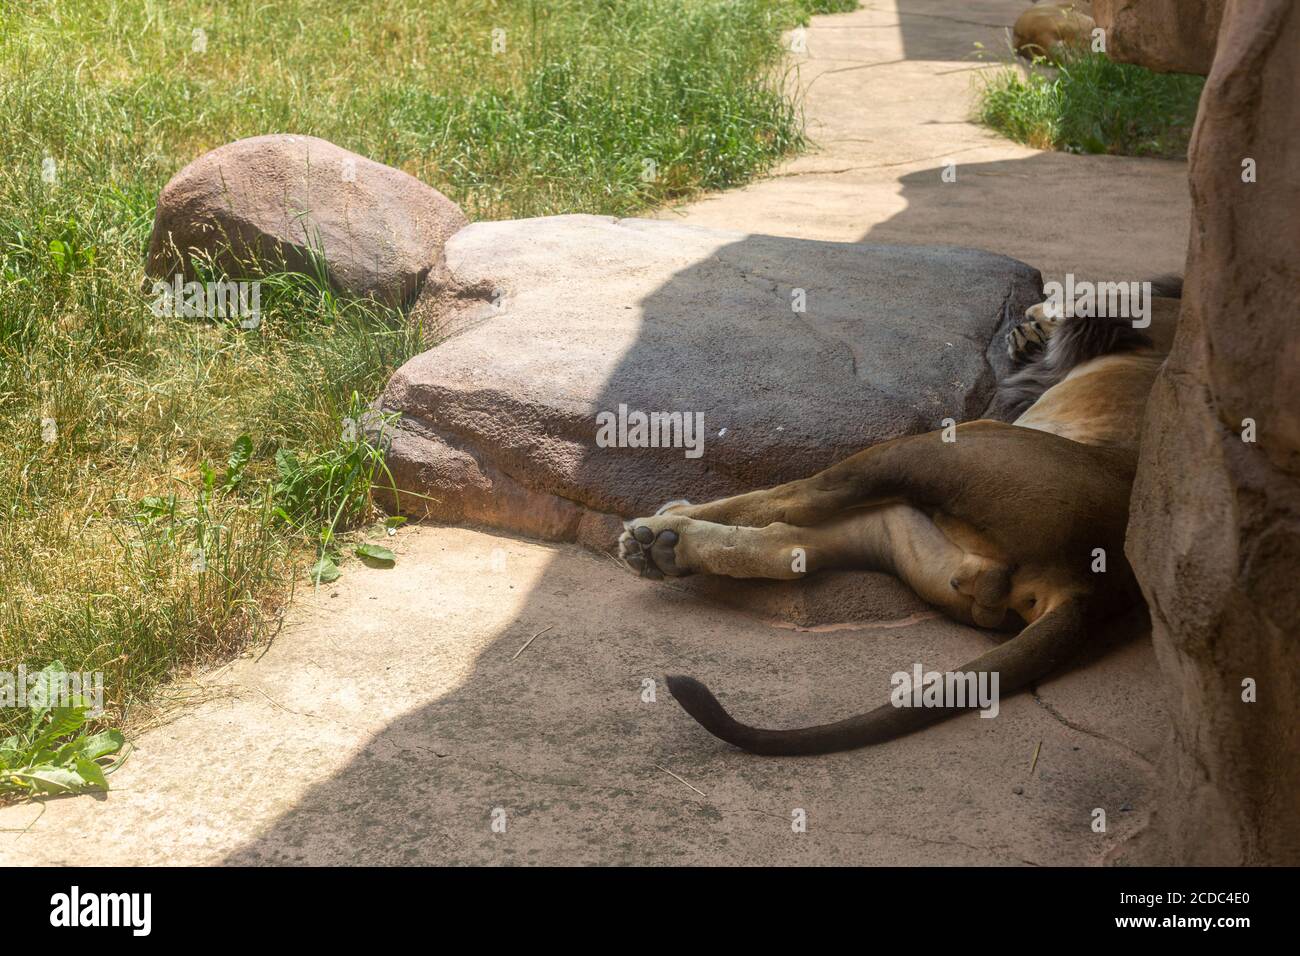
(100, 518)
(1093, 105)
(808, 7)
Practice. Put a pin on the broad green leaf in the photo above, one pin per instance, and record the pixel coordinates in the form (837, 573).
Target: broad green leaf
(91, 748)
(286, 462)
(59, 255)
(153, 507)
(48, 779)
(44, 689)
(9, 753)
(324, 571)
(374, 552)
(241, 453)
(63, 721)
(92, 773)
(101, 744)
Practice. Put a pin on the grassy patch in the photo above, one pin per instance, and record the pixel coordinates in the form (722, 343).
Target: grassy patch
(123, 546)
(1093, 105)
(808, 7)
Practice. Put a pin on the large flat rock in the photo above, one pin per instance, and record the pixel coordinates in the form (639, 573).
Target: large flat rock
(559, 319)
(1169, 36)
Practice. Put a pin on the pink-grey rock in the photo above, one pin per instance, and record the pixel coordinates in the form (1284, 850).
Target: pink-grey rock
(271, 199)
(1214, 535)
(578, 315)
(1168, 36)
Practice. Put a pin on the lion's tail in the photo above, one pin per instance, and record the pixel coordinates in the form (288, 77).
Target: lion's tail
(1037, 650)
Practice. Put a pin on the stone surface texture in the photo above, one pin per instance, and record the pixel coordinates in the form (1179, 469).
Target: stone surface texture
(276, 200)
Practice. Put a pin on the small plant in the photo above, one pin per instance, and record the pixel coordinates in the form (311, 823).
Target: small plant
(70, 252)
(1093, 105)
(56, 754)
(330, 491)
(168, 520)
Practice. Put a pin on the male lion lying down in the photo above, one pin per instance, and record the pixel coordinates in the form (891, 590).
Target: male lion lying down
(1000, 526)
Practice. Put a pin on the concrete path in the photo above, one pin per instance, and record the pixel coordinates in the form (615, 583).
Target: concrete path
(400, 708)
(486, 679)
(889, 95)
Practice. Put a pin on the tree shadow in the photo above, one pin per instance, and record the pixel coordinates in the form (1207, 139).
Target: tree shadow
(987, 18)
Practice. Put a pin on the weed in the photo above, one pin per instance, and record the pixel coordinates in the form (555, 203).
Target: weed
(53, 753)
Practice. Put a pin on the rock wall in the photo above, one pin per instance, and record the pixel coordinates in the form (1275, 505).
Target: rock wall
(1170, 36)
(1214, 535)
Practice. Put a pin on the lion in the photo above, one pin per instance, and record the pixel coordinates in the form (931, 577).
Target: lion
(1051, 30)
(997, 524)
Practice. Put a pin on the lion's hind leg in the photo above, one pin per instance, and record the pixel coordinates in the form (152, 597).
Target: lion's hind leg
(674, 545)
(804, 502)
(893, 538)
(956, 572)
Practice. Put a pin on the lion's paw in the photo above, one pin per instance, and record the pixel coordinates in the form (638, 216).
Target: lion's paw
(1026, 341)
(649, 547)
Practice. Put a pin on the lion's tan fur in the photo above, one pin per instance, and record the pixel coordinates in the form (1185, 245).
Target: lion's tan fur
(1047, 29)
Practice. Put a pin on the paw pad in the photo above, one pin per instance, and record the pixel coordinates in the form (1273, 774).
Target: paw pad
(649, 553)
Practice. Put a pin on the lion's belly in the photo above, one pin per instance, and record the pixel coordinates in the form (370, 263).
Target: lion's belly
(1099, 403)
